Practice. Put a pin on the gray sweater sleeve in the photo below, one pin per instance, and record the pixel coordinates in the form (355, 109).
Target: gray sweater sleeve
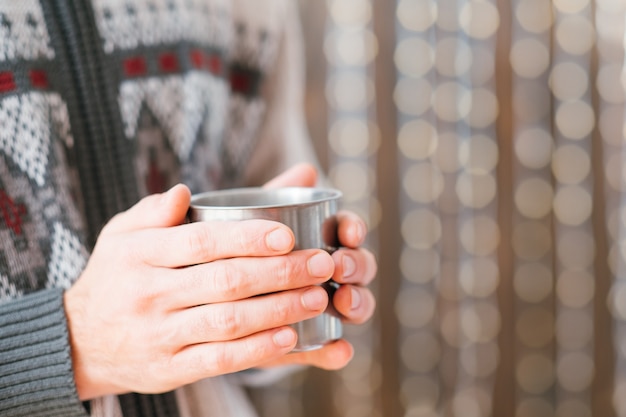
(36, 377)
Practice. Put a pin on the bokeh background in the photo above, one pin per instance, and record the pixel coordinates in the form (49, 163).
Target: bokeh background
(483, 142)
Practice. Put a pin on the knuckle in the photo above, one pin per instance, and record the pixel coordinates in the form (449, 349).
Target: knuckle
(282, 309)
(225, 320)
(199, 243)
(226, 280)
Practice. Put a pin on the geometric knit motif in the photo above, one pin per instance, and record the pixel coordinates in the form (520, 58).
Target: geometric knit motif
(67, 260)
(23, 31)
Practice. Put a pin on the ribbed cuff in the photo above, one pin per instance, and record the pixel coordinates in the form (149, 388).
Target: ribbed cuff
(36, 377)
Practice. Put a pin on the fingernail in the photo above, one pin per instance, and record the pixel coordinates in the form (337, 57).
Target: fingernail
(285, 338)
(356, 299)
(349, 266)
(320, 265)
(315, 299)
(279, 240)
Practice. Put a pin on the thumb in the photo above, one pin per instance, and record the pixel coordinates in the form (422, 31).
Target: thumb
(156, 210)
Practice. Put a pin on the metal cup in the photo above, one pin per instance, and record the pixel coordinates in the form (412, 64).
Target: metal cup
(311, 215)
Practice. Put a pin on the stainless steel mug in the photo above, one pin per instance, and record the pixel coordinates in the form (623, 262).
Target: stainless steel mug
(311, 215)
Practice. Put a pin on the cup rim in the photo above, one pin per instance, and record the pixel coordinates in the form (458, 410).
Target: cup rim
(305, 196)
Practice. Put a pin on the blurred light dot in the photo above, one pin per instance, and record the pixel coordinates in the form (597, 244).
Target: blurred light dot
(414, 57)
(415, 307)
(421, 229)
(417, 139)
(529, 58)
(573, 407)
(356, 48)
(423, 182)
(533, 198)
(535, 327)
(447, 155)
(352, 179)
(531, 240)
(576, 249)
(482, 360)
(351, 12)
(574, 329)
(419, 266)
(480, 236)
(568, 81)
(575, 119)
(572, 205)
(447, 282)
(350, 91)
(476, 191)
(575, 371)
(480, 322)
(534, 407)
(448, 19)
(571, 164)
(453, 56)
(533, 282)
(479, 277)
(413, 96)
(484, 108)
(479, 19)
(451, 102)
(533, 147)
(535, 373)
(473, 401)
(479, 155)
(535, 16)
(575, 288)
(575, 34)
(429, 352)
(571, 6)
(417, 15)
(421, 394)
(353, 137)
(608, 77)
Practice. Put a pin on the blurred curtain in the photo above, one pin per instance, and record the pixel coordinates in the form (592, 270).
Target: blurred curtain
(483, 141)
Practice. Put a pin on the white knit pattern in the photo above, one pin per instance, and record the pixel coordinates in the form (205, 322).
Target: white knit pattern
(23, 31)
(68, 258)
(27, 121)
(7, 289)
(126, 24)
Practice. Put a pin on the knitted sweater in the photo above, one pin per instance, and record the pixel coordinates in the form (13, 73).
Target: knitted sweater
(103, 102)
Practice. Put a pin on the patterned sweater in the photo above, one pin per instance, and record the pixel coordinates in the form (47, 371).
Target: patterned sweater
(103, 102)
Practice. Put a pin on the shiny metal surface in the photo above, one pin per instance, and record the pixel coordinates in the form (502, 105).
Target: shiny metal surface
(309, 212)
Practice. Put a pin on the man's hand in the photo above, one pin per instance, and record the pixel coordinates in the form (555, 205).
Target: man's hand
(355, 268)
(162, 303)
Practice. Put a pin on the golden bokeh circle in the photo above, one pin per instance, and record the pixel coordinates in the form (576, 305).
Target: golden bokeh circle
(421, 229)
(573, 205)
(573, 407)
(576, 249)
(479, 155)
(480, 322)
(353, 179)
(427, 345)
(350, 12)
(413, 96)
(482, 361)
(534, 16)
(472, 401)
(531, 240)
(482, 65)
(571, 164)
(418, 139)
(451, 101)
(417, 15)
(534, 407)
(419, 393)
(479, 19)
(574, 329)
(479, 277)
(350, 91)
(535, 373)
(521, 50)
(575, 288)
(419, 266)
(575, 119)
(575, 34)
(575, 371)
(611, 122)
(568, 81)
(534, 197)
(453, 56)
(447, 155)
(423, 182)
(484, 108)
(533, 147)
(476, 191)
(414, 57)
(608, 77)
(351, 48)
(415, 307)
(480, 236)
(533, 282)
(353, 137)
(571, 6)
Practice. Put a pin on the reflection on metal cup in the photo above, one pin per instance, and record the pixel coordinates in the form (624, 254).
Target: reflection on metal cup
(311, 215)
